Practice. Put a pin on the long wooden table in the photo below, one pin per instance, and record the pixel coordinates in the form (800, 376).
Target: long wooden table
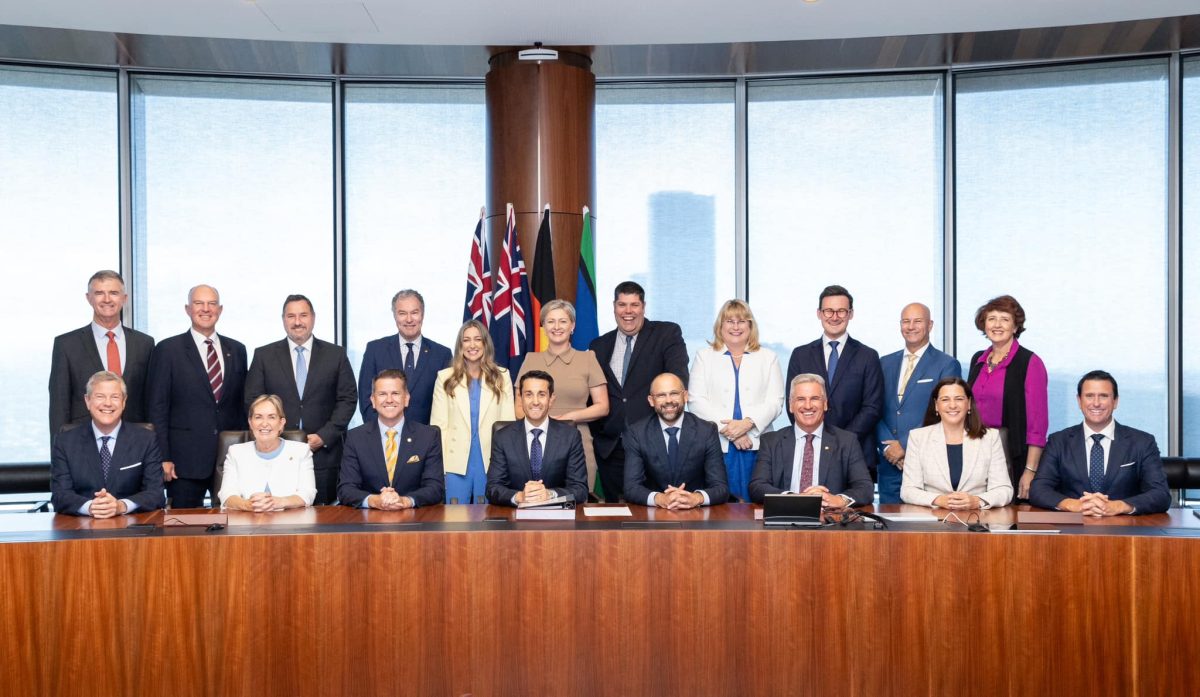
(454, 600)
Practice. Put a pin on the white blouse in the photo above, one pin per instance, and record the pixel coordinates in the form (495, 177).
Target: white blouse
(290, 473)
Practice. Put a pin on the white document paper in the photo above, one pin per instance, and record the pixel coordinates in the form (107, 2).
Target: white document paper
(607, 511)
(545, 514)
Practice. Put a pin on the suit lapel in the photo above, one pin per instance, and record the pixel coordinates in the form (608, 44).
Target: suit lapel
(787, 457)
(639, 346)
(971, 450)
(658, 445)
(1116, 458)
(193, 359)
(404, 450)
(919, 370)
(462, 400)
(87, 342)
(1075, 455)
(845, 355)
(120, 454)
(523, 450)
(289, 372)
(231, 367)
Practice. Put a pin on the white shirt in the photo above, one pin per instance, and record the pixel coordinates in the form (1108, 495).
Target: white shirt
(308, 345)
(416, 349)
(101, 336)
(130, 506)
(203, 349)
(617, 362)
(825, 339)
(667, 443)
(798, 456)
(919, 353)
(1109, 433)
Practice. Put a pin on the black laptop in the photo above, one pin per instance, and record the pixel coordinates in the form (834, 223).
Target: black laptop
(797, 510)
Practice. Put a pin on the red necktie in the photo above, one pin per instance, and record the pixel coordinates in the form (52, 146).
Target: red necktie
(806, 467)
(215, 379)
(114, 354)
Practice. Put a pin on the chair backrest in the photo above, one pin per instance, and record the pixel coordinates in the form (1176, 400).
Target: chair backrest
(225, 439)
(67, 427)
(1182, 473)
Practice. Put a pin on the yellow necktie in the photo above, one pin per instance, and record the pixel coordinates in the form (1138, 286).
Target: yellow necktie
(908, 371)
(389, 454)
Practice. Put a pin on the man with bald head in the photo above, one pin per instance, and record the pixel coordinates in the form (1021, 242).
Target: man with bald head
(673, 459)
(909, 376)
(194, 393)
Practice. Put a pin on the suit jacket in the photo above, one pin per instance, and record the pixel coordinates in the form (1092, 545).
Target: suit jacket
(759, 387)
(289, 474)
(327, 404)
(701, 465)
(563, 465)
(186, 418)
(418, 464)
(659, 349)
(927, 468)
(135, 472)
(903, 415)
(384, 354)
(452, 414)
(1134, 474)
(856, 395)
(75, 359)
(842, 469)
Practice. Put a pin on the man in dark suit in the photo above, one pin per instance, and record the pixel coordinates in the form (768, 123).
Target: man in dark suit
(1101, 468)
(673, 459)
(850, 370)
(419, 357)
(105, 467)
(828, 460)
(316, 384)
(631, 355)
(392, 462)
(537, 458)
(195, 391)
(909, 376)
(104, 344)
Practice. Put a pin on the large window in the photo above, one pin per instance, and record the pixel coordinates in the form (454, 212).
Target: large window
(1061, 182)
(845, 187)
(665, 200)
(1191, 257)
(233, 187)
(414, 185)
(58, 194)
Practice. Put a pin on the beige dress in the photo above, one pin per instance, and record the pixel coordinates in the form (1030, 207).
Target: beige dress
(574, 373)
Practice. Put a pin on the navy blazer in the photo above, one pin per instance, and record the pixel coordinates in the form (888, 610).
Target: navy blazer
(1134, 474)
(701, 468)
(842, 469)
(135, 472)
(901, 416)
(180, 400)
(384, 354)
(563, 465)
(659, 349)
(856, 396)
(75, 359)
(418, 472)
(327, 404)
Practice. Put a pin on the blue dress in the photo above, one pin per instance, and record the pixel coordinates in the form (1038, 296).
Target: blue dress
(470, 488)
(738, 463)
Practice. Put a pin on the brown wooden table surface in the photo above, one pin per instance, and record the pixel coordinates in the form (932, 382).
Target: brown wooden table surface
(454, 600)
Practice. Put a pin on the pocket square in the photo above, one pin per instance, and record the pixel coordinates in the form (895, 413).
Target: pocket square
(924, 380)
(1129, 464)
(414, 458)
(129, 467)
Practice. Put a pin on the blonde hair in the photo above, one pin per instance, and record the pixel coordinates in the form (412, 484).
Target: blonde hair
(735, 309)
(492, 376)
(273, 399)
(558, 304)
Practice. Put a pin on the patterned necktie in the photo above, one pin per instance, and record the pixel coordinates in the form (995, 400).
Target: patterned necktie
(389, 454)
(673, 453)
(535, 454)
(628, 358)
(806, 467)
(114, 354)
(1096, 467)
(833, 359)
(908, 371)
(410, 362)
(215, 379)
(301, 371)
(105, 456)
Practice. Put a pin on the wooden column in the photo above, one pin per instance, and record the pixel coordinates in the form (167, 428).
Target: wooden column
(541, 147)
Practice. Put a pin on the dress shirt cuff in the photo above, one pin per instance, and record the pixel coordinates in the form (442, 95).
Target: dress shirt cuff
(849, 501)
(650, 498)
(130, 506)
(707, 501)
(365, 502)
(513, 500)
(86, 507)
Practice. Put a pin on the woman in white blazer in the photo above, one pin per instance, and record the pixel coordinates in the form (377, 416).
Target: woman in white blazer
(268, 473)
(954, 461)
(736, 384)
(468, 397)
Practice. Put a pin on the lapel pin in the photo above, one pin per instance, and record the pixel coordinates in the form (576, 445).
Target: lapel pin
(408, 440)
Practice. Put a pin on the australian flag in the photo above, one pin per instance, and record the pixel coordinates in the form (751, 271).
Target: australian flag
(511, 317)
(479, 279)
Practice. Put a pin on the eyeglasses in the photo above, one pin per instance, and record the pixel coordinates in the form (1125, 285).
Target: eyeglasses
(731, 322)
(830, 313)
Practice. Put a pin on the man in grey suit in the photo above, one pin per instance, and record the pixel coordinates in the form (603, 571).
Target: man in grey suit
(316, 384)
(104, 344)
(838, 473)
(673, 459)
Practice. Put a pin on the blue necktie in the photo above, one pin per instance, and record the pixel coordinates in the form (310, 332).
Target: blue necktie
(833, 358)
(535, 454)
(105, 456)
(301, 371)
(1096, 468)
(409, 363)
(673, 453)
(628, 356)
